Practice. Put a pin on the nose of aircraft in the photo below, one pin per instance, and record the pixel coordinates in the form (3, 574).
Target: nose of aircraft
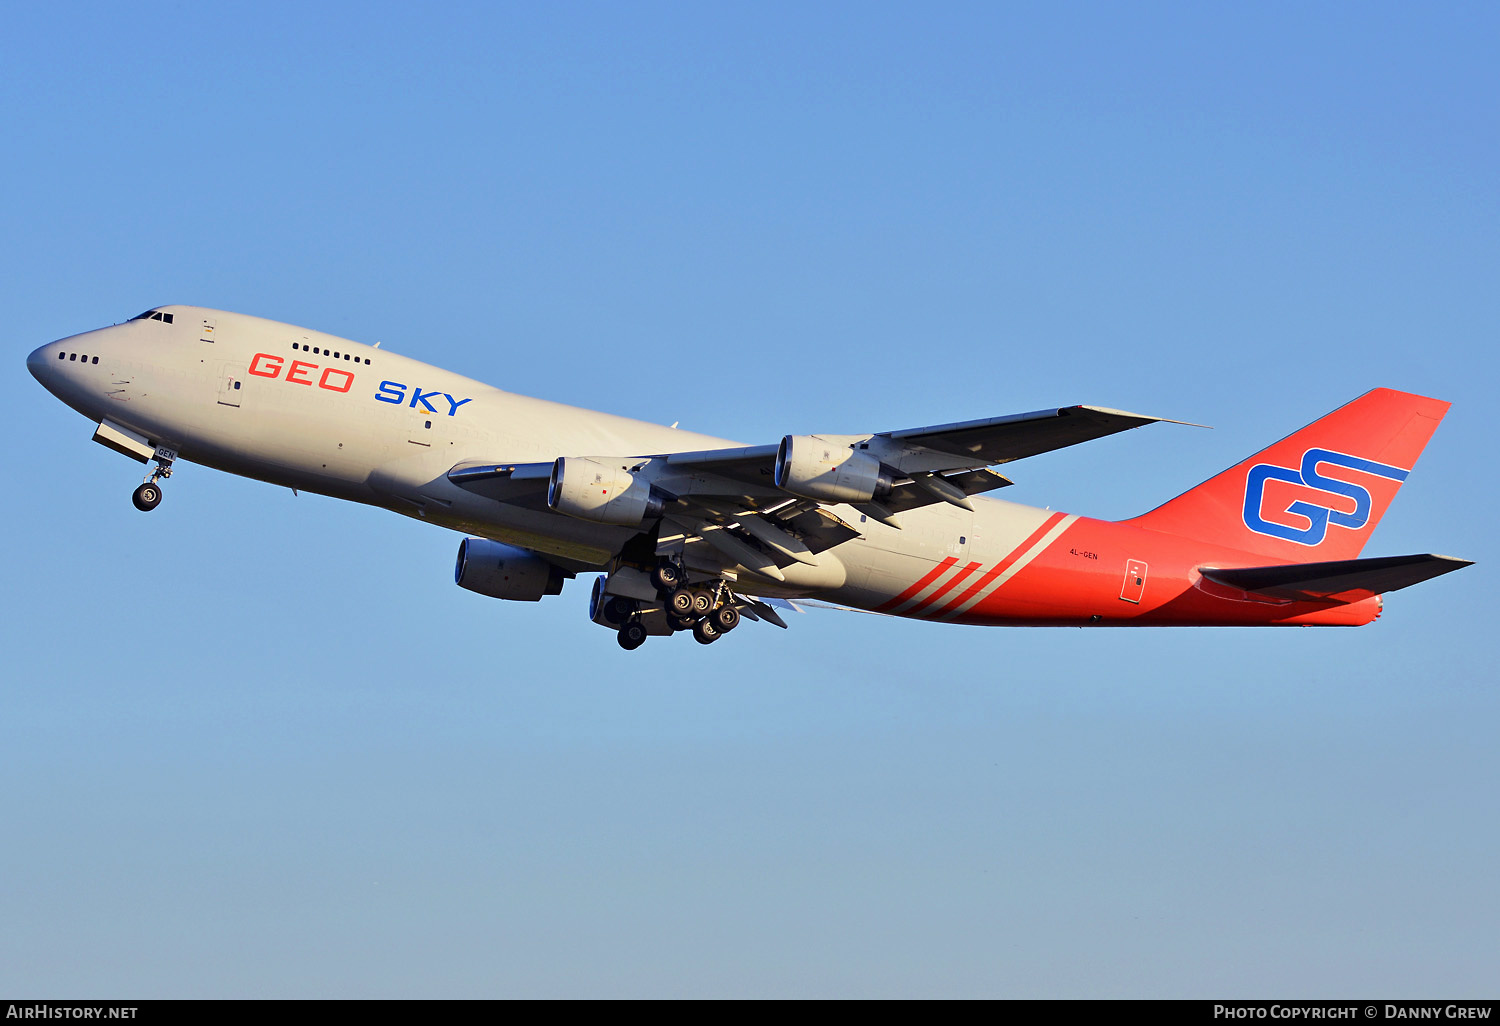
(37, 361)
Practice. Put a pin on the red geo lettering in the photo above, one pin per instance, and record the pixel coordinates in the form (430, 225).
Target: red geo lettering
(348, 379)
(298, 367)
(273, 365)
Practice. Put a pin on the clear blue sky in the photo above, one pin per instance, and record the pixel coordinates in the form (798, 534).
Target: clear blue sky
(260, 745)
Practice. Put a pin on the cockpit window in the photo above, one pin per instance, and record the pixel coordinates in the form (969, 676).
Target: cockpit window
(153, 315)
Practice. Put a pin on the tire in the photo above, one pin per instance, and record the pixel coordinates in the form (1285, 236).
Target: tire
(147, 497)
(705, 633)
(617, 610)
(681, 602)
(666, 577)
(703, 601)
(680, 623)
(726, 618)
(632, 636)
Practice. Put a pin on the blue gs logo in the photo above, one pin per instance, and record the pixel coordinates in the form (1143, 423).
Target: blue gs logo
(1318, 516)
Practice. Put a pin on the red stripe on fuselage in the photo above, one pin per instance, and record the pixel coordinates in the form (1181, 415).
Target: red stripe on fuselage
(916, 589)
(948, 586)
(1000, 567)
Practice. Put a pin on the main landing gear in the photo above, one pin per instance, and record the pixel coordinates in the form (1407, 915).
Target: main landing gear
(632, 636)
(148, 496)
(708, 610)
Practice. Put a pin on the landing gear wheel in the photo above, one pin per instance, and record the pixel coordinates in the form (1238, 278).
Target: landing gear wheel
(681, 602)
(706, 633)
(146, 497)
(666, 577)
(680, 623)
(632, 636)
(726, 618)
(703, 601)
(617, 610)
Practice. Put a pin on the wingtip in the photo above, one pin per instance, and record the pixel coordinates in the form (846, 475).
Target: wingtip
(1143, 417)
(1461, 563)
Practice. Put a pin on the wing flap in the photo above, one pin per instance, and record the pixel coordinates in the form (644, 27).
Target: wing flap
(970, 482)
(1344, 579)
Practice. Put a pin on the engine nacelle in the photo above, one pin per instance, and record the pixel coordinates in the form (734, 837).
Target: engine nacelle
(818, 468)
(610, 610)
(605, 493)
(504, 571)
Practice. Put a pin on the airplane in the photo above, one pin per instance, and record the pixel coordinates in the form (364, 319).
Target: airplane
(692, 533)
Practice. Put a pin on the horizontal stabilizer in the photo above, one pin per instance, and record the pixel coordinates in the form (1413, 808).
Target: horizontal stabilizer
(1344, 579)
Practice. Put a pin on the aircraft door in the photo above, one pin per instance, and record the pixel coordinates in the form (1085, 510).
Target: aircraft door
(949, 528)
(1135, 581)
(230, 385)
(419, 432)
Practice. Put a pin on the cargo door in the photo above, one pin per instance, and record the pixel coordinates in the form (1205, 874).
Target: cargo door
(1135, 581)
(231, 385)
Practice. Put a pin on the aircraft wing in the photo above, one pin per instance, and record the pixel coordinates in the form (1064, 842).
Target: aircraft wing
(515, 484)
(1003, 439)
(768, 505)
(944, 447)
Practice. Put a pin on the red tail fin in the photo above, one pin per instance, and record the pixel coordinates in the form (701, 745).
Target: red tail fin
(1317, 494)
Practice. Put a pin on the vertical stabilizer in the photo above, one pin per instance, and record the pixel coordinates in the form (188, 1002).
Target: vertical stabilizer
(1317, 494)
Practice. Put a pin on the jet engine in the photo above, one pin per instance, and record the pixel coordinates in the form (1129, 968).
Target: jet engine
(818, 468)
(504, 571)
(605, 493)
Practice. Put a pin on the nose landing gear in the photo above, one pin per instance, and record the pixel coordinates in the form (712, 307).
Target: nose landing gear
(148, 496)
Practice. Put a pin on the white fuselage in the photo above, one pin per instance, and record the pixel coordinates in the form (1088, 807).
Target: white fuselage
(311, 411)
